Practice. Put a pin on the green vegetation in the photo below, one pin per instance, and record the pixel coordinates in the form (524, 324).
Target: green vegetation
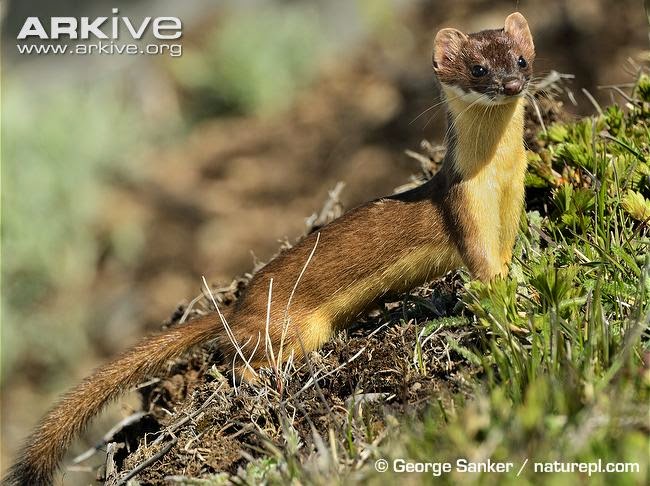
(254, 63)
(56, 162)
(566, 335)
(563, 342)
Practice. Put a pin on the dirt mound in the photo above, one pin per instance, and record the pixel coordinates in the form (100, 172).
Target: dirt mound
(389, 364)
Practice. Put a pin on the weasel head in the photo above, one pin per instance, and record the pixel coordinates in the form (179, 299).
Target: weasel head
(491, 67)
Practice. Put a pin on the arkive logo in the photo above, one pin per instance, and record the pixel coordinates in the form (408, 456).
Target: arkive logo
(163, 28)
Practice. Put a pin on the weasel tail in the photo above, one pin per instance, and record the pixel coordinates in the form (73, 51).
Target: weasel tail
(48, 443)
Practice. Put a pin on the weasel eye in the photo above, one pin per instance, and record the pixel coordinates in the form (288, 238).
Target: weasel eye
(521, 62)
(478, 71)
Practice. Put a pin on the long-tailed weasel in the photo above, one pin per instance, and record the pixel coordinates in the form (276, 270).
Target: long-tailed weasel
(466, 215)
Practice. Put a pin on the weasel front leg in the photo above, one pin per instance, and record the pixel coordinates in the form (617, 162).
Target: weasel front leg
(475, 227)
(512, 203)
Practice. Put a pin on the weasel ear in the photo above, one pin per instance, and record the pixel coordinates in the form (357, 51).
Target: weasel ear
(446, 46)
(517, 27)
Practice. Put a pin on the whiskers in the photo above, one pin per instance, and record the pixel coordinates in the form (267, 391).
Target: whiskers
(546, 87)
(481, 106)
(538, 113)
(443, 100)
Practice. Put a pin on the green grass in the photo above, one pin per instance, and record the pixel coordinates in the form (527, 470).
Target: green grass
(565, 336)
(561, 341)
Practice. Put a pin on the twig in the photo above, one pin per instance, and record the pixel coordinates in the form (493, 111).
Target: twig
(268, 343)
(313, 380)
(145, 464)
(544, 236)
(169, 431)
(422, 159)
(145, 384)
(190, 306)
(112, 475)
(365, 454)
(540, 118)
(550, 79)
(110, 435)
(332, 209)
(627, 97)
(572, 97)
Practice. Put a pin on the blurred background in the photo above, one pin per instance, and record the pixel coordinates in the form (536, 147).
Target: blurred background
(127, 178)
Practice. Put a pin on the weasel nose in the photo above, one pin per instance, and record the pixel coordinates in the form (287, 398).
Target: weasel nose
(512, 87)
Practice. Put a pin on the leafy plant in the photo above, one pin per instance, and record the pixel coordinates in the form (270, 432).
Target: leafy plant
(255, 62)
(566, 333)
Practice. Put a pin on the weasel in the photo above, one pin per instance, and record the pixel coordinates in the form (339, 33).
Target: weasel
(466, 215)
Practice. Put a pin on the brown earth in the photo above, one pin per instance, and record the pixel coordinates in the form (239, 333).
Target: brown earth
(374, 373)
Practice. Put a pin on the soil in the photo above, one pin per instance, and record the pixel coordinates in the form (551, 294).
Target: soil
(372, 373)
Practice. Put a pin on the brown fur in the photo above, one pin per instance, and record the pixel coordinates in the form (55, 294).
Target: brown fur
(466, 215)
(455, 53)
